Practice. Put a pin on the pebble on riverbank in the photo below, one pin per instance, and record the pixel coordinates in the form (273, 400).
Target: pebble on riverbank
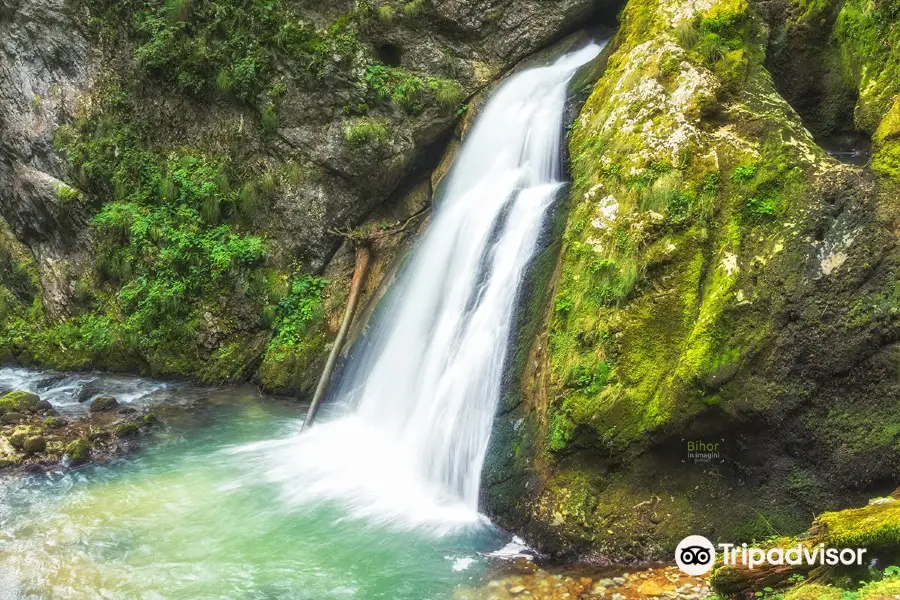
(34, 436)
(663, 583)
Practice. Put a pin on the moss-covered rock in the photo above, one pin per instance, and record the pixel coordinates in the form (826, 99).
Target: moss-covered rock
(874, 526)
(721, 279)
(54, 422)
(103, 404)
(127, 430)
(19, 402)
(34, 444)
(78, 451)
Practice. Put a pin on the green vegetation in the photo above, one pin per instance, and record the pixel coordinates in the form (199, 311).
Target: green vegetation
(170, 251)
(411, 91)
(366, 132)
(19, 402)
(299, 341)
(227, 46)
(874, 526)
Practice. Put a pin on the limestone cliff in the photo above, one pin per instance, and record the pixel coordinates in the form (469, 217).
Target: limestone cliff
(721, 278)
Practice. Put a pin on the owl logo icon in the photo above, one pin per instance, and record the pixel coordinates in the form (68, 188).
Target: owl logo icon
(695, 555)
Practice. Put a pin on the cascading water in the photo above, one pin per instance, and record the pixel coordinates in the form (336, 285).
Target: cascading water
(206, 512)
(423, 393)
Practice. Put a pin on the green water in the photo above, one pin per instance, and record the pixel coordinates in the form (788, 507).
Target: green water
(184, 518)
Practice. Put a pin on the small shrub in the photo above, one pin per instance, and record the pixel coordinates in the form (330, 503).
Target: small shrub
(294, 173)
(178, 10)
(67, 193)
(711, 48)
(248, 200)
(762, 206)
(211, 208)
(447, 92)
(223, 82)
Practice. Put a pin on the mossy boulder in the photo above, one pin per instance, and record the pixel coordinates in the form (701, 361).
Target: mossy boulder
(78, 451)
(20, 434)
(886, 144)
(34, 444)
(104, 404)
(127, 430)
(19, 402)
(54, 422)
(814, 591)
(12, 418)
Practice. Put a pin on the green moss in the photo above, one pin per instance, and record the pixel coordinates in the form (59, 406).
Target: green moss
(54, 422)
(814, 591)
(873, 526)
(300, 337)
(79, 451)
(886, 144)
(19, 401)
(126, 430)
(889, 587)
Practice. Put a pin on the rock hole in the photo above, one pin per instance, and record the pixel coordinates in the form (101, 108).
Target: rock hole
(853, 147)
(820, 234)
(390, 55)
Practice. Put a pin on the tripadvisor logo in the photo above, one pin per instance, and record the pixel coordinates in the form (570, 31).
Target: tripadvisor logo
(696, 555)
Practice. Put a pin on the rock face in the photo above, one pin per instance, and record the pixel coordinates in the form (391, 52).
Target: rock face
(172, 172)
(723, 285)
(47, 65)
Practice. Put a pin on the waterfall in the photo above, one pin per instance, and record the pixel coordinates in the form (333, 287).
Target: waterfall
(421, 395)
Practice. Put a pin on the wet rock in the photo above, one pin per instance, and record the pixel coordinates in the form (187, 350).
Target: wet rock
(517, 589)
(19, 435)
(54, 422)
(87, 391)
(97, 434)
(79, 451)
(35, 444)
(49, 382)
(44, 405)
(11, 418)
(127, 430)
(19, 401)
(103, 404)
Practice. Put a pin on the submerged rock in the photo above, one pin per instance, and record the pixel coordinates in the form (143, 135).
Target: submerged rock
(103, 404)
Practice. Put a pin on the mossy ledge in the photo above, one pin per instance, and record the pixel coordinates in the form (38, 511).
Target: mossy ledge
(721, 278)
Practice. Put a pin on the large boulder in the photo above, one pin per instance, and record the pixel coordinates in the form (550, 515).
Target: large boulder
(722, 283)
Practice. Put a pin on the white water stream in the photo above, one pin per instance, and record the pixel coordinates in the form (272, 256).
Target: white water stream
(421, 396)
